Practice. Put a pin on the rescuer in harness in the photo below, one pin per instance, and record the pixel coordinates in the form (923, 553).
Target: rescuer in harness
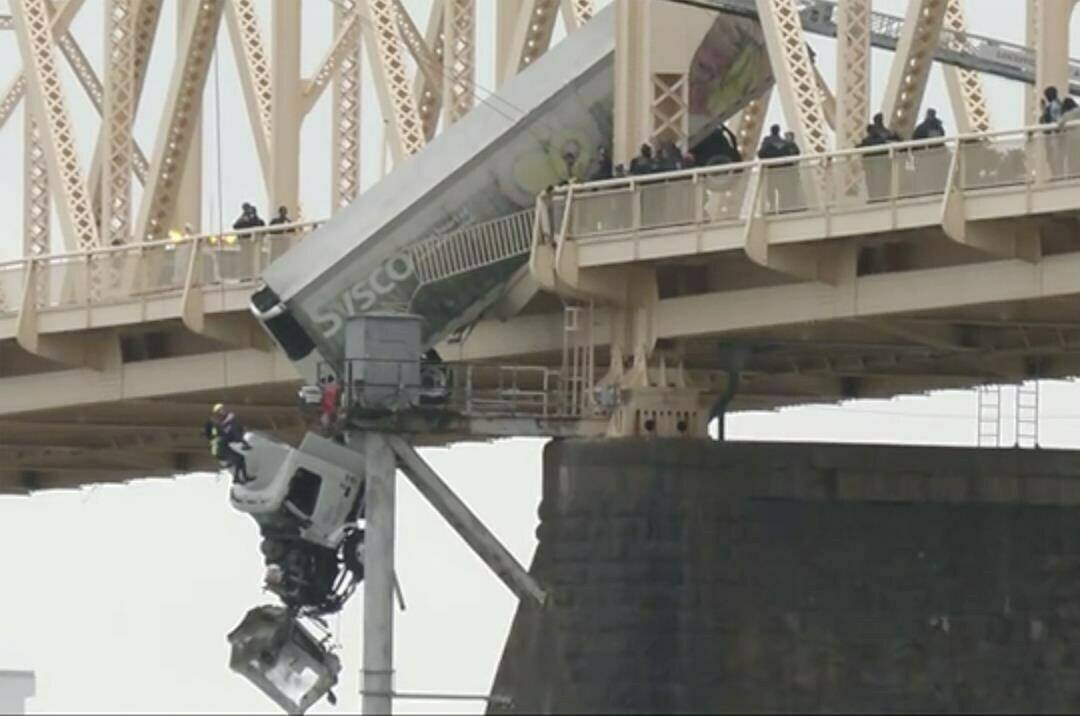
(221, 430)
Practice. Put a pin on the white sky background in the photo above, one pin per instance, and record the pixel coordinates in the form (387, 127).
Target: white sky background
(120, 597)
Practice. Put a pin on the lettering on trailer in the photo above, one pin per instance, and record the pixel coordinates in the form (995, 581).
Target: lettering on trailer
(365, 295)
(388, 278)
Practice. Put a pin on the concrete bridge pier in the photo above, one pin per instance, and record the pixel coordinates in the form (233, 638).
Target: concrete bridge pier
(693, 576)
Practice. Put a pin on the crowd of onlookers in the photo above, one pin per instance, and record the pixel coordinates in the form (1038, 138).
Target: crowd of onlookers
(719, 147)
(250, 219)
(1053, 109)
(722, 147)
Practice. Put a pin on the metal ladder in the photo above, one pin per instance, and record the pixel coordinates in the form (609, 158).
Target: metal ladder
(1027, 414)
(989, 416)
(578, 374)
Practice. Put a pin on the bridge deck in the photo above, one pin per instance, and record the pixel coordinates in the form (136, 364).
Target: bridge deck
(842, 275)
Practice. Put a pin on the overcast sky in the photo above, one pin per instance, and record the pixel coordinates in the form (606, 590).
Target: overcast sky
(120, 597)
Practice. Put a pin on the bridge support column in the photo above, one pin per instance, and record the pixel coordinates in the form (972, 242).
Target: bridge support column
(187, 212)
(654, 46)
(687, 576)
(1051, 42)
(377, 686)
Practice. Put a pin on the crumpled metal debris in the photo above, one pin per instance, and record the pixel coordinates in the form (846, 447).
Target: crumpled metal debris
(276, 653)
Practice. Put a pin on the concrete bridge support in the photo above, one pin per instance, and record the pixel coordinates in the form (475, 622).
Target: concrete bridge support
(697, 577)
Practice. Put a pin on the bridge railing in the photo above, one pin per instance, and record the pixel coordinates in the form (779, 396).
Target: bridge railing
(138, 271)
(842, 181)
(472, 389)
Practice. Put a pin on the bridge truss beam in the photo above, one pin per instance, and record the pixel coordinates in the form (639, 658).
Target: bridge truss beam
(796, 80)
(965, 86)
(459, 58)
(346, 110)
(911, 65)
(852, 72)
(180, 116)
(33, 28)
(253, 66)
(382, 39)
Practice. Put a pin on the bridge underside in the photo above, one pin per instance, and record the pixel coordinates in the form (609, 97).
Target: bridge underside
(881, 357)
(81, 438)
(66, 448)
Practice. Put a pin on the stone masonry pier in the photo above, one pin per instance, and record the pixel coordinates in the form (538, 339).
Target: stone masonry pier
(703, 577)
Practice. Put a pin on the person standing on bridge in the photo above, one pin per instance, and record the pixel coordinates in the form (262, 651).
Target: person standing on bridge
(602, 168)
(1052, 106)
(221, 430)
(281, 218)
(778, 180)
(877, 165)
(644, 163)
(1053, 109)
(931, 161)
(1070, 138)
(279, 238)
(883, 132)
(930, 128)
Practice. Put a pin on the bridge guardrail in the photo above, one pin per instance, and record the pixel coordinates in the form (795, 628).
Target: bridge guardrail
(474, 389)
(846, 180)
(137, 271)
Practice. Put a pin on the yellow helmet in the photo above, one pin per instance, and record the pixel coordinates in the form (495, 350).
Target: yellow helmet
(219, 408)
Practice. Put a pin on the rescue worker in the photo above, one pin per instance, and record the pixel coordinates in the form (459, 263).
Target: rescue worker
(930, 127)
(281, 218)
(931, 162)
(721, 146)
(781, 182)
(603, 169)
(773, 146)
(644, 163)
(247, 218)
(222, 429)
(879, 129)
(280, 243)
(877, 165)
(331, 393)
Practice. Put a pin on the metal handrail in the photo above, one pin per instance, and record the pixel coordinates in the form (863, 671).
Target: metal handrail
(811, 182)
(91, 277)
(476, 389)
(183, 240)
(892, 149)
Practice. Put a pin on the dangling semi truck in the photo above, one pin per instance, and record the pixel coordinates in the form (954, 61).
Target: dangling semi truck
(377, 255)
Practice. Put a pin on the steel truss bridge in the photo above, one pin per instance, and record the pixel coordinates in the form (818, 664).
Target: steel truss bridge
(849, 273)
